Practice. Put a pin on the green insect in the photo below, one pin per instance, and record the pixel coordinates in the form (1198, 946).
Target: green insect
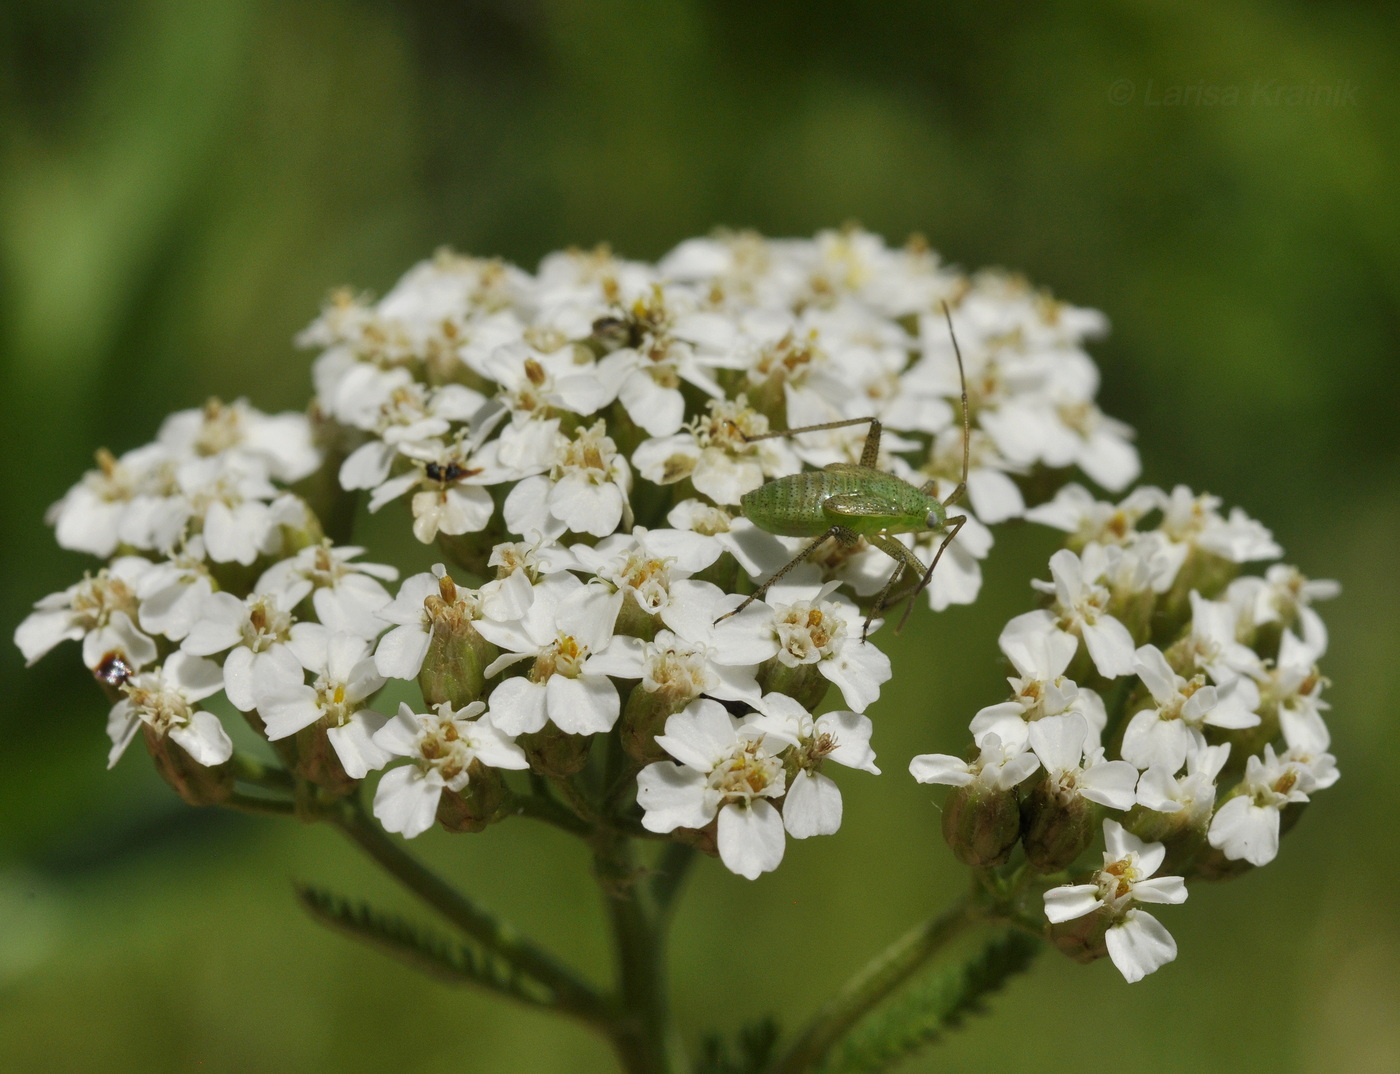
(846, 501)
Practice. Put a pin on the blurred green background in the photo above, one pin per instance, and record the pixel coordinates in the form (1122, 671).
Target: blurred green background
(180, 185)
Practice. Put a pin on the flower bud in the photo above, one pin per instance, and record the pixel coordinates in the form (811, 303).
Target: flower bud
(1182, 833)
(644, 717)
(1055, 829)
(555, 753)
(196, 783)
(476, 805)
(804, 683)
(982, 824)
(318, 763)
(454, 668)
(1083, 938)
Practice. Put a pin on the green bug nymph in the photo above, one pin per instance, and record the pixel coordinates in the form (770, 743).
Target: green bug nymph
(846, 501)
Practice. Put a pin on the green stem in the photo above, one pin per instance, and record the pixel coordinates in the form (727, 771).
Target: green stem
(876, 980)
(572, 994)
(549, 810)
(248, 769)
(645, 1036)
(263, 807)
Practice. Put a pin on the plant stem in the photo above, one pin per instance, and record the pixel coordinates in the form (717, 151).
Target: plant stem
(645, 1036)
(263, 807)
(248, 769)
(876, 980)
(572, 994)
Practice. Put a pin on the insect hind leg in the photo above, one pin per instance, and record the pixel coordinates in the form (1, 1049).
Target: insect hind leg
(839, 533)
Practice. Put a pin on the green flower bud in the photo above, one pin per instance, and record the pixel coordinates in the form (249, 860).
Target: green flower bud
(196, 783)
(454, 669)
(1055, 829)
(477, 804)
(1084, 938)
(804, 683)
(318, 763)
(555, 753)
(982, 825)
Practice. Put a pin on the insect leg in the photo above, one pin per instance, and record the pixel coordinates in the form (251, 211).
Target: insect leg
(904, 558)
(954, 524)
(873, 435)
(841, 533)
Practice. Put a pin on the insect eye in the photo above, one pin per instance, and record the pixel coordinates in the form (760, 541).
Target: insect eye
(935, 520)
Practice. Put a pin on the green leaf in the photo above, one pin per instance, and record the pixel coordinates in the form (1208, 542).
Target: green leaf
(931, 1007)
(445, 959)
(751, 1050)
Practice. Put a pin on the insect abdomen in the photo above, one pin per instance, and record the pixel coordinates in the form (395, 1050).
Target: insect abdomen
(792, 506)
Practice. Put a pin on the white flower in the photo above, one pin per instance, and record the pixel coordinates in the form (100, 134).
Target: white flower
(1167, 734)
(825, 631)
(1286, 595)
(1293, 686)
(347, 596)
(998, 766)
(715, 454)
(256, 631)
(1247, 826)
(345, 677)
(567, 624)
(281, 442)
(1192, 793)
(164, 699)
(100, 611)
(585, 490)
(1190, 521)
(1081, 608)
(1137, 942)
(443, 746)
(723, 771)
(1060, 743)
(645, 563)
(115, 503)
(1041, 690)
(682, 670)
(812, 805)
(422, 600)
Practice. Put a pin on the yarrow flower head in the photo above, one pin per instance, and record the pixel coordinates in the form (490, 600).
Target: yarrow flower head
(671, 506)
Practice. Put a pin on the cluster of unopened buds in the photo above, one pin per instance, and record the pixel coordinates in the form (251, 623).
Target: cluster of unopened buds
(578, 443)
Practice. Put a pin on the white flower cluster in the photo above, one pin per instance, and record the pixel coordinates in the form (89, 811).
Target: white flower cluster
(1216, 729)
(577, 441)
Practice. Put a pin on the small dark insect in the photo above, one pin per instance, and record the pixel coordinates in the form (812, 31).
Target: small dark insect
(114, 670)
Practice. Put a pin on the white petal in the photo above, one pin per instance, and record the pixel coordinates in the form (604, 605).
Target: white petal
(587, 705)
(940, 768)
(751, 840)
(1139, 944)
(204, 739)
(812, 806)
(406, 801)
(518, 706)
(673, 797)
(1110, 645)
(1071, 901)
(1243, 830)
(401, 651)
(354, 744)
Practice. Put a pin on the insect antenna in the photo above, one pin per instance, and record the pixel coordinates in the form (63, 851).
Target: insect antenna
(955, 523)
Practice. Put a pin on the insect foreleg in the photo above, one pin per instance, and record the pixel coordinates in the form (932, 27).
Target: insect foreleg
(905, 560)
(841, 533)
(954, 524)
